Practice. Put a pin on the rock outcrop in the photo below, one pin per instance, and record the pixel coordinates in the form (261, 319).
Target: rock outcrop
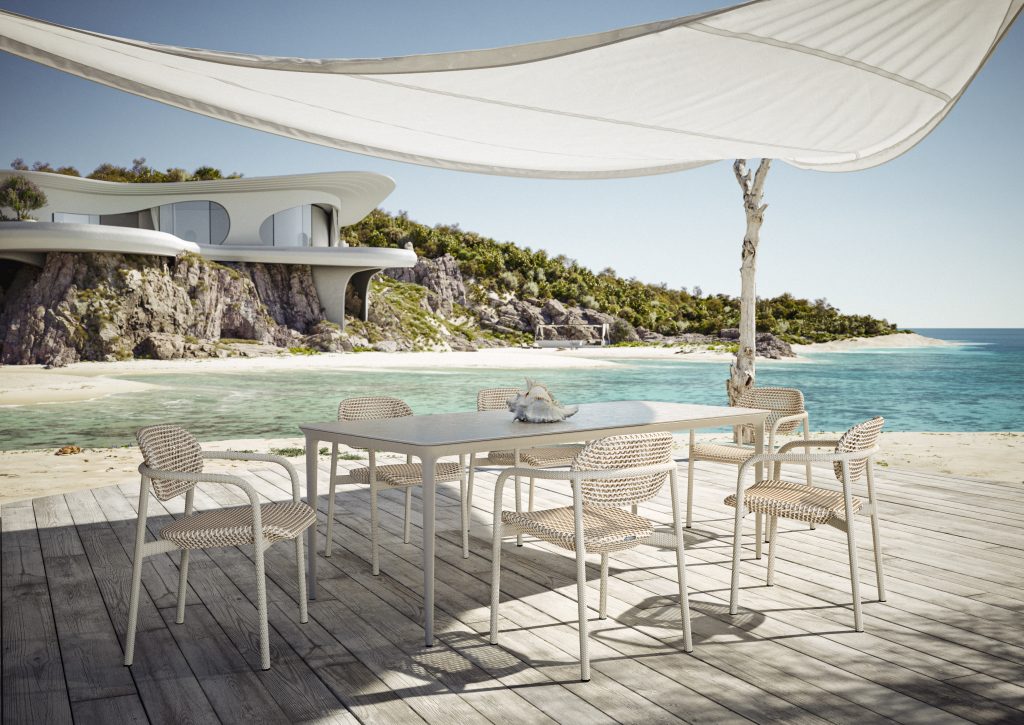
(442, 279)
(116, 306)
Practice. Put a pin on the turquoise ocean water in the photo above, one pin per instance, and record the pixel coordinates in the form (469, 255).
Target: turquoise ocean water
(976, 386)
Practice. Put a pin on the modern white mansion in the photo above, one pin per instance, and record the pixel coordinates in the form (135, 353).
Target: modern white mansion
(275, 219)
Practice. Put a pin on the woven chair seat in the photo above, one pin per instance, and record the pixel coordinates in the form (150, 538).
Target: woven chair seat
(795, 501)
(720, 453)
(541, 457)
(605, 529)
(401, 475)
(233, 526)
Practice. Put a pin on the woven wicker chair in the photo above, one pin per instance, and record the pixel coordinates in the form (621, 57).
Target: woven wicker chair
(173, 465)
(540, 457)
(788, 414)
(396, 475)
(851, 459)
(606, 476)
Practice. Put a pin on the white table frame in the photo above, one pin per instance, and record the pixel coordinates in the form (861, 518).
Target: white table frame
(431, 437)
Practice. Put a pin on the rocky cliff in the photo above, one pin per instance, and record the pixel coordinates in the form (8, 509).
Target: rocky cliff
(115, 307)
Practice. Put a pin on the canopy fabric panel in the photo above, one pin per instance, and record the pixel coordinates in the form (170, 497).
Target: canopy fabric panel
(819, 84)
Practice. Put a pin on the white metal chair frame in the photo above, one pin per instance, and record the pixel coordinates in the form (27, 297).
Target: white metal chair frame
(375, 487)
(145, 548)
(753, 398)
(496, 399)
(576, 478)
(842, 461)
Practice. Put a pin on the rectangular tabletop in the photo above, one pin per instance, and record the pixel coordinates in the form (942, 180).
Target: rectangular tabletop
(431, 436)
(451, 433)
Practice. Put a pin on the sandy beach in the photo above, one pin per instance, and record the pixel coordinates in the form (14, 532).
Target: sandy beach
(28, 474)
(32, 384)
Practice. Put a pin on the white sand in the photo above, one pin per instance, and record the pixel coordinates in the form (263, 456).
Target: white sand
(882, 342)
(30, 384)
(28, 474)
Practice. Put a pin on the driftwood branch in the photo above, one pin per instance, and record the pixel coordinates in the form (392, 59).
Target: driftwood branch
(742, 373)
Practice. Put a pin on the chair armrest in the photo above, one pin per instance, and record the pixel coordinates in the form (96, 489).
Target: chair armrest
(224, 479)
(573, 476)
(601, 475)
(788, 419)
(266, 457)
(779, 458)
(808, 444)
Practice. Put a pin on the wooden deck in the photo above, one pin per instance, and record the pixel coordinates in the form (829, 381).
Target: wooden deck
(948, 644)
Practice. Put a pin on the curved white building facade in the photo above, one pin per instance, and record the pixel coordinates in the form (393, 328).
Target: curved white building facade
(276, 220)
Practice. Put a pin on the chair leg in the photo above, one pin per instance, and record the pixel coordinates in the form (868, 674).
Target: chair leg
(603, 607)
(182, 586)
(331, 492)
(300, 566)
(689, 491)
(519, 507)
(469, 485)
(464, 511)
(773, 532)
(529, 500)
(581, 595)
(495, 580)
(858, 619)
(876, 539)
(133, 608)
(684, 599)
(261, 605)
(374, 532)
(757, 535)
(407, 532)
(734, 591)
(810, 476)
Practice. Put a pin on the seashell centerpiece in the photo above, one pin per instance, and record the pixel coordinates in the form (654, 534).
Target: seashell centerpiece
(536, 405)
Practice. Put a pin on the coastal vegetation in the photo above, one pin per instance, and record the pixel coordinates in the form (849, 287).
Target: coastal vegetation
(506, 268)
(22, 197)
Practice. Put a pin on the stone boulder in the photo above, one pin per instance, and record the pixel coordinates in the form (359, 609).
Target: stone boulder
(441, 277)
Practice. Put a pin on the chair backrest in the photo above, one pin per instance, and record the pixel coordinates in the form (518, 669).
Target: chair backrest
(495, 398)
(781, 401)
(861, 437)
(626, 451)
(170, 448)
(373, 408)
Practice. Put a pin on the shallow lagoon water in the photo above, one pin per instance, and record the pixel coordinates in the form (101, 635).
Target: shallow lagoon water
(978, 386)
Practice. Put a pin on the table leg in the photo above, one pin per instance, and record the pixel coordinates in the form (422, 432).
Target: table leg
(311, 499)
(429, 488)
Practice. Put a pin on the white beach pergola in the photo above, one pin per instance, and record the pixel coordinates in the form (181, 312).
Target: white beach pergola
(817, 84)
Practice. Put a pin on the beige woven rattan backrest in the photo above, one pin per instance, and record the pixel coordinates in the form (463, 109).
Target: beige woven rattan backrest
(626, 451)
(373, 408)
(170, 448)
(781, 401)
(495, 398)
(861, 437)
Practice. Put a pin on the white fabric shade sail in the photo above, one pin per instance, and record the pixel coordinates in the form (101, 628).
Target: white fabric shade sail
(819, 84)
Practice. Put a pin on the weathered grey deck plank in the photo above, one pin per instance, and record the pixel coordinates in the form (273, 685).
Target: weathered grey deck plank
(945, 647)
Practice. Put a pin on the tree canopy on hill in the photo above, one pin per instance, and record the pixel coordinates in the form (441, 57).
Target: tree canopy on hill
(505, 267)
(138, 173)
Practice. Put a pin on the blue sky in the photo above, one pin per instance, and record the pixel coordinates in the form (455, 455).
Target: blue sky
(932, 239)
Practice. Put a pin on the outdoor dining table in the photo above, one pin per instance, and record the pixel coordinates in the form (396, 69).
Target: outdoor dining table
(430, 437)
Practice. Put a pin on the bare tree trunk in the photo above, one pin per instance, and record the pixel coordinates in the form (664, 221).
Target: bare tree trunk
(741, 373)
